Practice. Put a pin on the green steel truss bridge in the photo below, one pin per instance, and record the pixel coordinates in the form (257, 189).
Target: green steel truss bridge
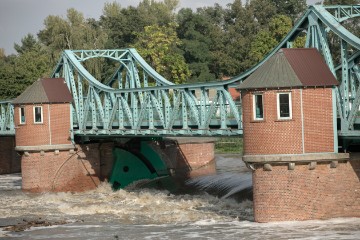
(137, 101)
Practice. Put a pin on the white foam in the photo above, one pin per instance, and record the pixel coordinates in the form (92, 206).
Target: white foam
(10, 181)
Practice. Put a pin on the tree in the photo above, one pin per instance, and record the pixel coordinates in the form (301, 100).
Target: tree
(160, 13)
(158, 45)
(291, 8)
(17, 72)
(2, 53)
(74, 32)
(195, 30)
(123, 24)
(28, 43)
(263, 10)
(268, 38)
(240, 30)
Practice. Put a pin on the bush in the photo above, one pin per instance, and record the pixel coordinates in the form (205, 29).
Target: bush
(229, 145)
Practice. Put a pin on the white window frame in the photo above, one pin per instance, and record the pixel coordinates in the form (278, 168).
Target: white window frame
(20, 116)
(41, 112)
(278, 105)
(254, 106)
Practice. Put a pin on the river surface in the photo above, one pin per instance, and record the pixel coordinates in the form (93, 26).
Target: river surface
(216, 211)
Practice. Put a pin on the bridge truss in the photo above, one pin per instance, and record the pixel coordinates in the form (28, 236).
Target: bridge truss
(136, 100)
(6, 118)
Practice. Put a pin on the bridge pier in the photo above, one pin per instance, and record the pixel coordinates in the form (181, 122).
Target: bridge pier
(305, 187)
(82, 167)
(290, 141)
(9, 159)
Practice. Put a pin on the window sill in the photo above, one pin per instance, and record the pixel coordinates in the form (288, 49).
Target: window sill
(257, 121)
(284, 120)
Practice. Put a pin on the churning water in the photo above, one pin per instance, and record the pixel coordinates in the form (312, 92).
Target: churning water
(152, 214)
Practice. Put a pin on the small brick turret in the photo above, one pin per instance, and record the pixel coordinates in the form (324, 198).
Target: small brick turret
(290, 139)
(50, 161)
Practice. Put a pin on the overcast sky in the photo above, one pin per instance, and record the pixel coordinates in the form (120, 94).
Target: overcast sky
(20, 17)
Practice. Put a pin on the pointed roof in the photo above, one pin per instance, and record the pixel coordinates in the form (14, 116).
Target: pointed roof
(291, 67)
(45, 90)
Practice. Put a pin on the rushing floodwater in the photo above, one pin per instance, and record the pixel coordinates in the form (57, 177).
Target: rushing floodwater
(151, 214)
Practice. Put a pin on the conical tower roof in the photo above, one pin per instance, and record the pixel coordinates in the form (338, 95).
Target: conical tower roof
(291, 67)
(45, 90)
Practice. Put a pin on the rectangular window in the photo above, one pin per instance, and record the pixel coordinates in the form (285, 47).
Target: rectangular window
(284, 109)
(22, 115)
(258, 107)
(38, 115)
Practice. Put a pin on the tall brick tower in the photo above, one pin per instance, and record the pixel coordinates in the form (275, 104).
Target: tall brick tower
(49, 160)
(290, 140)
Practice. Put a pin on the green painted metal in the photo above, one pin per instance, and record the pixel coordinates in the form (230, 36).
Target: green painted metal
(138, 161)
(127, 106)
(6, 118)
(132, 109)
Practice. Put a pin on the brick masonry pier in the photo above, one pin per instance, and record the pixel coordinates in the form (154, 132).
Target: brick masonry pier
(288, 188)
(9, 159)
(51, 161)
(83, 166)
(291, 143)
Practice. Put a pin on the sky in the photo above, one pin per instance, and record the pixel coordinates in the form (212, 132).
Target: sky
(20, 17)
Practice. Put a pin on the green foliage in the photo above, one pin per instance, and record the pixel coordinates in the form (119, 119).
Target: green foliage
(18, 72)
(194, 30)
(158, 46)
(262, 44)
(229, 145)
(291, 8)
(123, 24)
(74, 32)
(193, 46)
(267, 39)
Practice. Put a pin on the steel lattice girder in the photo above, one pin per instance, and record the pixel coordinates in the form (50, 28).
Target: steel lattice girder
(6, 118)
(133, 108)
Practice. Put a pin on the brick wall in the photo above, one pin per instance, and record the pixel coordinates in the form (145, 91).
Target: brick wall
(196, 154)
(273, 136)
(31, 134)
(9, 159)
(91, 163)
(318, 120)
(65, 171)
(303, 194)
(189, 157)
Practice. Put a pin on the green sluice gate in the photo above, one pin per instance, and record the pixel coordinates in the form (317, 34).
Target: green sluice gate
(137, 162)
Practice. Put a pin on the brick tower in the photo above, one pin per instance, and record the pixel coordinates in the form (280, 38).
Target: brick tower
(49, 161)
(290, 140)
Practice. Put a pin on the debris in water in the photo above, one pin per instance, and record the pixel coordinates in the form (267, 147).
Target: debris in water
(26, 224)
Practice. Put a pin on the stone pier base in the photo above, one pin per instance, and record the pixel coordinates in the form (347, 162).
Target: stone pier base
(305, 187)
(83, 166)
(74, 169)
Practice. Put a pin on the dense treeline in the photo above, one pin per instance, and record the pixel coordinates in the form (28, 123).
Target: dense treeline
(181, 44)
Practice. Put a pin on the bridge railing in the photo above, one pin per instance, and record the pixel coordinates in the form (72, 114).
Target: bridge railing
(127, 102)
(127, 105)
(171, 110)
(6, 118)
